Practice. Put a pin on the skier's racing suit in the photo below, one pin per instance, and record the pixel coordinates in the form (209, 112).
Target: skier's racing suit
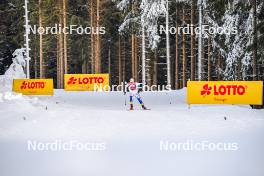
(134, 88)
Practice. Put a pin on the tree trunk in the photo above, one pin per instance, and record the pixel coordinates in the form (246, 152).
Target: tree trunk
(202, 64)
(61, 54)
(41, 59)
(133, 49)
(255, 38)
(183, 53)
(124, 60)
(92, 37)
(176, 56)
(109, 63)
(218, 66)
(148, 69)
(168, 45)
(58, 62)
(209, 59)
(35, 59)
(143, 55)
(155, 68)
(84, 63)
(119, 60)
(65, 38)
(136, 59)
(239, 71)
(200, 43)
(98, 40)
(133, 55)
(192, 44)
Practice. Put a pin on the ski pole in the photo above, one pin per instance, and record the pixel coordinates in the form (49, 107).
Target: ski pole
(125, 100)
(124, 90)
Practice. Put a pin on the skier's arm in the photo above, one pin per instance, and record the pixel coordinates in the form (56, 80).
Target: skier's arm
(139, 87)
(124, 87)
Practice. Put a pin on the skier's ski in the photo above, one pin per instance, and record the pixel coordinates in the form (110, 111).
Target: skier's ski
(139, 109)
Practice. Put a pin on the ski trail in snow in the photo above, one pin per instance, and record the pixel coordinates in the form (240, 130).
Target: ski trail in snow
(132, 137)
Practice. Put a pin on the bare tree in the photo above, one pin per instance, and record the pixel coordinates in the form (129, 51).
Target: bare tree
(98, 40)
(133, 57)
(119, 61)
(92, 43)
(192, 43)
(168, 45)
(255, 38)
(143, 54)
(219, 66)
(209, 59)
(65, 38)
(41, 59)
(183, 52)
(176, 55)
(200, 42)
(154, 75)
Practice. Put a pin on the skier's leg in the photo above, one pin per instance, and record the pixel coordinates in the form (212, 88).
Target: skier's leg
(140, 101)
(131, 102)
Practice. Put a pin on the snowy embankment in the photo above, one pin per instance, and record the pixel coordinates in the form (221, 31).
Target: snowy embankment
(132, 137)
(5, 83)
(6, 89)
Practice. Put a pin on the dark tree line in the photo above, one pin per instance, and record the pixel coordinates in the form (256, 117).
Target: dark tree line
(120, 52)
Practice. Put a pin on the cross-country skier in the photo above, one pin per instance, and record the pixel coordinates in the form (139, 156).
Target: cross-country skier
(134, 89)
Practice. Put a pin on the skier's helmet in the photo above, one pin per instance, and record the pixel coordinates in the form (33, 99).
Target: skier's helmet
(132, 80)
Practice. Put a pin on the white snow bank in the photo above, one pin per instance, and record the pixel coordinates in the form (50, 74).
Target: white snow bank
(132, 137)
(15, 71)
(6, 83)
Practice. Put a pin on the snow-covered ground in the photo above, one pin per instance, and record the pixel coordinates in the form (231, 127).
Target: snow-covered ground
(132, 138)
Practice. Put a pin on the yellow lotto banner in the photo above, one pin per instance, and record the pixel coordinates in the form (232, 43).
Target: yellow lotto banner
(33, 86)
(225, 92)
(86, 82)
